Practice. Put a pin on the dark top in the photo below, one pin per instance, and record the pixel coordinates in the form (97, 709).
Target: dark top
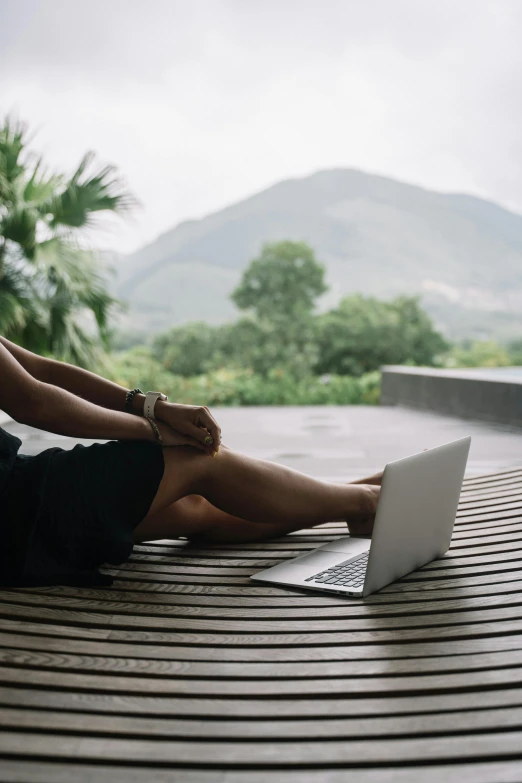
(65, 512)
(19, 500)
(9, 446)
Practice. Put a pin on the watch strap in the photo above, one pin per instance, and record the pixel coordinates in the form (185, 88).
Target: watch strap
(150, 401)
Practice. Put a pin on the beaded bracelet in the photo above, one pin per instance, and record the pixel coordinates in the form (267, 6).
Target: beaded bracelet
(129, 397)
(155, 430)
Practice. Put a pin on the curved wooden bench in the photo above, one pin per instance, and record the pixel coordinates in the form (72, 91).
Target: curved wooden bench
(186, 670)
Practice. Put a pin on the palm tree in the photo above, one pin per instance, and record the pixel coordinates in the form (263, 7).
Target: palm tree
(47, 280)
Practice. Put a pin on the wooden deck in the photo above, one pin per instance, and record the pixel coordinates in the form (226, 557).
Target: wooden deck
(187, 671)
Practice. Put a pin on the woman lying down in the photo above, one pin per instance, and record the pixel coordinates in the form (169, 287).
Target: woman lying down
(164, 473)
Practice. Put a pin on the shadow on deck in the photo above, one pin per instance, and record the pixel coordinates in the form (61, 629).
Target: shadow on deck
(186, 670)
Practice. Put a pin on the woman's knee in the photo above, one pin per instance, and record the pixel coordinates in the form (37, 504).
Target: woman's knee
(186, 517)
(185, 473)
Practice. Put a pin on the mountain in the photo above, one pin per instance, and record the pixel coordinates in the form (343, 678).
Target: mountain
(375, 235)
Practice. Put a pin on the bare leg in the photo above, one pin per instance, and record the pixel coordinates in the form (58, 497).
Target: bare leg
(260, 491)
(195, 518)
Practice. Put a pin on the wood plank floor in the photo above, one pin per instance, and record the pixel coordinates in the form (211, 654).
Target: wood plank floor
(186, 670)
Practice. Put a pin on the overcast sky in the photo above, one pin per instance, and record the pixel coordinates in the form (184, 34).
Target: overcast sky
(200, 103)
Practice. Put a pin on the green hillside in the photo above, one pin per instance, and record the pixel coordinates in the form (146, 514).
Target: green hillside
(375, 235)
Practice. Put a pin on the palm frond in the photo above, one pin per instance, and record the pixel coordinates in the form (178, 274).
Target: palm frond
(5, 186)
(74, 281)
(87, 160)
(13, 136)
(39, 187)
(12, 313)
(19, 225)
(16, 298)
(12, 141)
(69, 341)
(84, 195)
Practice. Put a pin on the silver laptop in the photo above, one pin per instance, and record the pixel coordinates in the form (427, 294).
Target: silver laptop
(413, 525)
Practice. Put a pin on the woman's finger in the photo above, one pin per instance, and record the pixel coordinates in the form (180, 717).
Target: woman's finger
(173, 437)
(177, 439)
(215, 431)
(205, 419)
(193, 442)
(200, 435)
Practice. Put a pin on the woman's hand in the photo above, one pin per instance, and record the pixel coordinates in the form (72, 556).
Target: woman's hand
(191, 425)
(173, 438)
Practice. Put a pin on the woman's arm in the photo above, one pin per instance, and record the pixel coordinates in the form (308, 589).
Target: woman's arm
(80, 382)
(191, 421)
(37, 366)
(39, 404)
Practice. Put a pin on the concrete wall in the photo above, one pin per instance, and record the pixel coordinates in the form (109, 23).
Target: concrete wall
(468, 395)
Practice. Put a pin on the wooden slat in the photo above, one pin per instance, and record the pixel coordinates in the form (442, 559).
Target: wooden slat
(212, 729)
(431, 651)
(278, 707)
(242, 688)
(134, 666)
(305, 600)
(501, 606)
(49, 772)
(321, 754)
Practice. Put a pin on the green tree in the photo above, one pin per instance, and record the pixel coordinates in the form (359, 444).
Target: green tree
(192, 349)
(363, 333)
(247, 344)
(280, 289)
(282, 284)
(137, 367)
(47, 280)
(515, 352)
(478, 353)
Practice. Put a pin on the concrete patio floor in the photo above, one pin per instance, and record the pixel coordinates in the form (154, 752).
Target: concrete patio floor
(338, 443)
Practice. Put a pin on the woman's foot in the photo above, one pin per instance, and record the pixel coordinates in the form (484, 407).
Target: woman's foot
(360, 524)
(375, 480)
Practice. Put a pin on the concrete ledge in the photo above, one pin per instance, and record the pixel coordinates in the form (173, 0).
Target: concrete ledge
(469, 394)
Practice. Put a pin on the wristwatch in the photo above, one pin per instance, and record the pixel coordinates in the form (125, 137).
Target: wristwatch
(150, 401)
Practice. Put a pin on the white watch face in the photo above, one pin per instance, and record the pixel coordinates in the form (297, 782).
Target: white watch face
(150, 402)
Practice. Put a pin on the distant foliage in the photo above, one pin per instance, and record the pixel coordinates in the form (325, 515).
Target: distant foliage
(264, 346)
(189, 350)
(135, 367)
(281, 352)
(364, 333)
(515, 352)
(279, 289)
(481, 353)
(138, 367)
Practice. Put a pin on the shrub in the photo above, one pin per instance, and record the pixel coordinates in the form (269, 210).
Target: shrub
(478, 353)
(242, 387)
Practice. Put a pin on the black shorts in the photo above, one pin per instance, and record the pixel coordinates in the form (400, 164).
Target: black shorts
(66, 512)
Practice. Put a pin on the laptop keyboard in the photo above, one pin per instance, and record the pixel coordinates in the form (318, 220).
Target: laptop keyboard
(349, 573)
